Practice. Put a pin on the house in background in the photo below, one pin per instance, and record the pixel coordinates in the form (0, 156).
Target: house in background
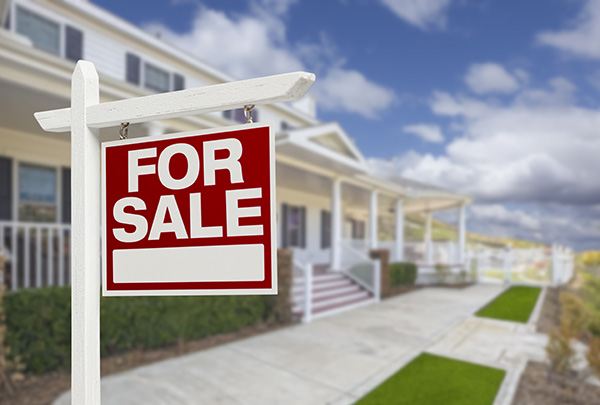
(329, 202)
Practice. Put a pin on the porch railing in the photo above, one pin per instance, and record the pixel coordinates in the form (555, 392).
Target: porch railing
(362, 269)
(38, 254)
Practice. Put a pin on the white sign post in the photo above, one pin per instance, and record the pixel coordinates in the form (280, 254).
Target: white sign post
(84, 119)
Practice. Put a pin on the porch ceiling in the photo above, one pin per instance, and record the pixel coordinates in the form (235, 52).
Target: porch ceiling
(431, 204)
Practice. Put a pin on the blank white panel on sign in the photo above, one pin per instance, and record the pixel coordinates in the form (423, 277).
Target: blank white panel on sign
(189, 264)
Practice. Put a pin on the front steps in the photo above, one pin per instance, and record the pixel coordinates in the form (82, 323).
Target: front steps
(331, 292)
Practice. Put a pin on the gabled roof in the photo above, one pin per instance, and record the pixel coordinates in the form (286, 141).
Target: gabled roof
(328, 146)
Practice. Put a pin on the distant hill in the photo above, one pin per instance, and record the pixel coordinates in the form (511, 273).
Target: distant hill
(415, 231)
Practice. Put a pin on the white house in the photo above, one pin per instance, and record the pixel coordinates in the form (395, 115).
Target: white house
(329, 202)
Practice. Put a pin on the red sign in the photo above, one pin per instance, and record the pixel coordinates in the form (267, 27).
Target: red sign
(190, 213)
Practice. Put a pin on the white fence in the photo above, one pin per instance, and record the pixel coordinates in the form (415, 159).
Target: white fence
(38, 254)
(543, 266)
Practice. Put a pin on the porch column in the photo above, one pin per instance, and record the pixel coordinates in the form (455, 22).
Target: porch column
(373, 221)
(399, 242)
(428, 245)
(462, 239)
(336, 224)
(154, 129)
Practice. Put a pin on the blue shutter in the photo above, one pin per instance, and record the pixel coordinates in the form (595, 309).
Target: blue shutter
(302, 227)
(325, 229)
(66, 195)
(5, 188)
(178, 82)
(284, 225)
(74, 44)
(132, 73)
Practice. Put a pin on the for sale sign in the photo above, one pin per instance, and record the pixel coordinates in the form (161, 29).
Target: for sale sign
(190, 213)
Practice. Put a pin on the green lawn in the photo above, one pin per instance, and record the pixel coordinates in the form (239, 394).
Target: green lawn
(434, 380)
(514, 304)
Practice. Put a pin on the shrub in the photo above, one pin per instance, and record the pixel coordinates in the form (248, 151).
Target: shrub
(574, 316)
(39, 322)
(441, 272)
(591, 297)
(402, 273)
(559, 352)
(593, 355)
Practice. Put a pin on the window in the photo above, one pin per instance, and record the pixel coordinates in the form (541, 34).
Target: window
(37, 193)
(43, 33)
(46, 34)
(132, 67)
(237, 115)
(325, 229)
(73, 44)
(294, 226)
(358, 229)
(156, 79)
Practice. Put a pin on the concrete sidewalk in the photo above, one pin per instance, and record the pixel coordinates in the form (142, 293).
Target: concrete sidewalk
(333, 360)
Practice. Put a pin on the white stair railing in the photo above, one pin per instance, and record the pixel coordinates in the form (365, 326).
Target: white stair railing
(362, 269)
(305, 272)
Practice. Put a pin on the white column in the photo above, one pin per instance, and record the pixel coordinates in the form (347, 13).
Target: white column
(399, 243)
(428, 244)
(507, 264)
(336, 224)
(462, 233)
(555, 265)
(154, 129)
(85, 241)
(373, 221)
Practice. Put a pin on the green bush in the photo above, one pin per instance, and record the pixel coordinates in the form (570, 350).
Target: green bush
(402, 273)
(39, 322)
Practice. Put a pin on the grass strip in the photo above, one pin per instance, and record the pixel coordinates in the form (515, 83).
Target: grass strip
(435, 380)
(514, 304)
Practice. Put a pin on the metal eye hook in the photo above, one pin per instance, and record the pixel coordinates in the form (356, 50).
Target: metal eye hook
(248, 113)
(124, 131)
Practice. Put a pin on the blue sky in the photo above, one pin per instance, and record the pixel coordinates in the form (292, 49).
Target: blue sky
(496, 98)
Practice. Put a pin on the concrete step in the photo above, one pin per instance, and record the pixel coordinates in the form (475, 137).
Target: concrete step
(334, 301)
(324, 293)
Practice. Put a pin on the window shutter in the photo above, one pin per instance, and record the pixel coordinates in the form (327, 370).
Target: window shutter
(178, 82)
(302, 227)
(325, 229)
(66, 195)
(284, 225)
(132, 68)
(5, 188)
(74, 44)
(254, 115)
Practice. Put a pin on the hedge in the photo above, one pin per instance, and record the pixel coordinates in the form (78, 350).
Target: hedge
(39, 322)
(402, 273)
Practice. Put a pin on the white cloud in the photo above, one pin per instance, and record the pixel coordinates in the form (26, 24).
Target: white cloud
(350, 90)
(499, 214)
(541, 147)
(424, 14)
(427, 132)
(582, 38)
(491, 78)
(540, 150)
(255, 43)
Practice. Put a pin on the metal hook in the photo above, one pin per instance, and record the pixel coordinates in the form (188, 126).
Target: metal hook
(248, 113)
(124, 131)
